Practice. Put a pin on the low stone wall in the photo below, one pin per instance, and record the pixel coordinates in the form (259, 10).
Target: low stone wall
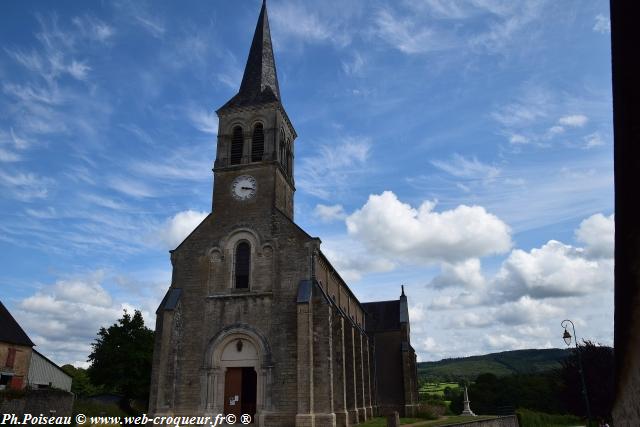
(508, 421)
(36, 402)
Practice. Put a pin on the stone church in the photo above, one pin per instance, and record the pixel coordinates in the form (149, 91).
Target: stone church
(256, 320)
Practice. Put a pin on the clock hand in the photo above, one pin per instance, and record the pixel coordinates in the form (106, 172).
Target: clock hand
(247, 188)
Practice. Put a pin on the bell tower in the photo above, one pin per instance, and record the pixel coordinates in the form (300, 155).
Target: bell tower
(253, 170)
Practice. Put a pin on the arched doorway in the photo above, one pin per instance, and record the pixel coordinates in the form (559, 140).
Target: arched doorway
(241, 381)
(237, 363)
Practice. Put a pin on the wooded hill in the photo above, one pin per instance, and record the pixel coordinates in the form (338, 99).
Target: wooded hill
(499, 364)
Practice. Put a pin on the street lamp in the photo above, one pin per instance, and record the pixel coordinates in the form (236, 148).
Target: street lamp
(567, 339)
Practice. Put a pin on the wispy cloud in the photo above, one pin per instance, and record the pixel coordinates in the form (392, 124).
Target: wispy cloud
(130, 187)
(328, 213)
(94, 28)
(467, 168)
(408, 35)
(574, 120)
(329, 22)
(8, 156)
(602, 24)
(204, 121)
(326, 172)
(355, 65)
(153, 25)
(25, 186)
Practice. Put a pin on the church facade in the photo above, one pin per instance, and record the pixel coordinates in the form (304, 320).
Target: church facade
(256, 320)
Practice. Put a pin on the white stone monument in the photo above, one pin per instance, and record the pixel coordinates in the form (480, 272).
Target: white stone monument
(467, 409)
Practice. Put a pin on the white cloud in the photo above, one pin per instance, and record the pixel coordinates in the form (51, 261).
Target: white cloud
(48, 213)
(593, 140)
(78, 70)
(466, 273)
(429, 345)
(555, 130)
(471, 168)
(352, 261)
(513, 19)
(299, 22)
(354, 66)
(409, 36)
(153, 25)
(516, 138)
(597, 233)
(470, 320)
(25, 186)
(328, 213)
(63, 319)
(553, 270)
(130, 187)
(531, 106)
(177, 228)
(525, 310)
(500, 341)
(395, 229)
(327, 174)
(9, 156)
(204, 121)
(294, 19)
(93, 28)
(575, 120)
(602, 25)
(416, 312)
(104, 202)
(462, 300)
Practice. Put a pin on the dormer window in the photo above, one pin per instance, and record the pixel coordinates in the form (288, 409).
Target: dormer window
(237, 143)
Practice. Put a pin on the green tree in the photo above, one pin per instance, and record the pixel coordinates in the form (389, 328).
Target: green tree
(597, 364)
(81, 384)
(121, 357)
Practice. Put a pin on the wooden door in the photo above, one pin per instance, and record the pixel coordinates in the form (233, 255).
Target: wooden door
(249, 389)
(233, 392)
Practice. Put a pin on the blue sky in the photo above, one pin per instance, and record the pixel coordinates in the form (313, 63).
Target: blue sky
(461, 148)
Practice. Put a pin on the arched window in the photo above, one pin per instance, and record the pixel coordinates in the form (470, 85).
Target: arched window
(236, 146)
(243, 265)
(257, 143)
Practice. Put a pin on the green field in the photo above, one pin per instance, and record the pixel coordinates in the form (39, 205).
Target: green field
(437, 388)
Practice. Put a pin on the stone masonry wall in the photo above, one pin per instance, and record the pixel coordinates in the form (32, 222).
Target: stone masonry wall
(57, 403)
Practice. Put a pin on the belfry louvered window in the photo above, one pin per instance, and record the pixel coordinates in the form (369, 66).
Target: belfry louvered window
(243, 265)
(257, 143)
(236, 146)
(289, 159)
(281, 147)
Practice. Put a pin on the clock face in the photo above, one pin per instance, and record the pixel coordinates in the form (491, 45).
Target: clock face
(244, 187)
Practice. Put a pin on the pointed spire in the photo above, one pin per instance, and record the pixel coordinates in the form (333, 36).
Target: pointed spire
(260, 80)
(404, 307)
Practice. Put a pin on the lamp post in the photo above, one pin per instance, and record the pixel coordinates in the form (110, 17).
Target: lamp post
(567, 339)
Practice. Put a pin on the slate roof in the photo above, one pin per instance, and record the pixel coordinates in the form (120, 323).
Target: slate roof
(382, 315)
(170, 300)
(10, 330)
(260, 80)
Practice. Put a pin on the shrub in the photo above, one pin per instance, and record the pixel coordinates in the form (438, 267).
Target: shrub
(432, 409)
(527, 418)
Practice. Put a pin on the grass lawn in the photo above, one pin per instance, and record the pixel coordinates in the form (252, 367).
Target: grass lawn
(446, 420)
(418, 422)
(382, 422)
